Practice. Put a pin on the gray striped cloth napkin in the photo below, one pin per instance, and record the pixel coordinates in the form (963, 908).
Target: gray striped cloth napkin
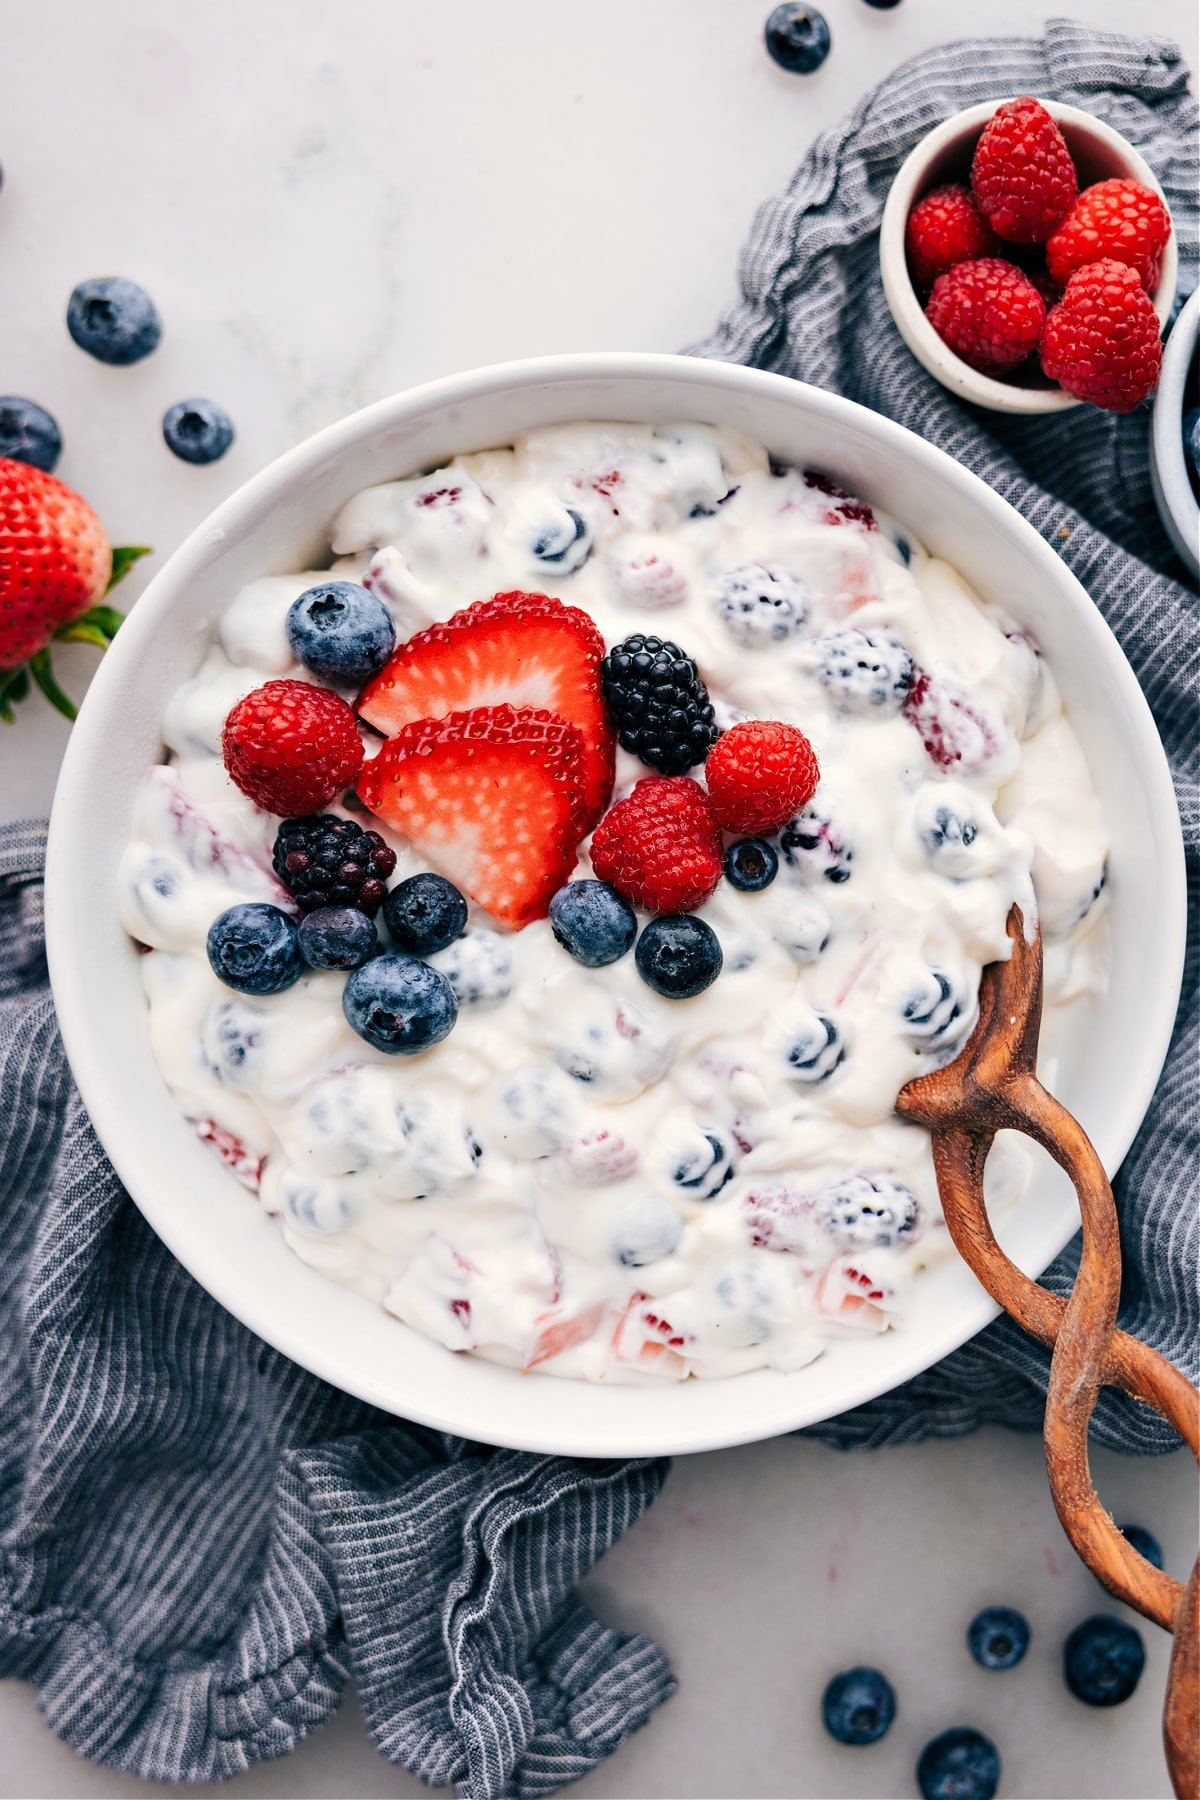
(200, 1543)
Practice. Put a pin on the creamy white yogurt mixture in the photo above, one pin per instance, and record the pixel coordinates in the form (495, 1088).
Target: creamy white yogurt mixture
(585, 1177)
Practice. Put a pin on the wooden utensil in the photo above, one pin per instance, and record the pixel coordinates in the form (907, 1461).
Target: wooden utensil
(992, 1086)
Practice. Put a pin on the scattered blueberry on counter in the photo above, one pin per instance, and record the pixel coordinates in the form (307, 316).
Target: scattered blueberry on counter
(678, 956)
(424, 914)
(28, 433)
(337, 937)
(341, 632)
(1144, 1542)
(197, 430)
(798, 38)
(1103, 1660)
(751, 865)
(961, 1764)
(114, 320)
(760, 606)
(324, 860)
(592, 923)
(658, 703)
(253, 948)
(998, 1637)
(858, 1706)
(399, 1005)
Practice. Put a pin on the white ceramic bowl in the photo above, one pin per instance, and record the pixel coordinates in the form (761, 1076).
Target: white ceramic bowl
(1173, 492)
(278, 521)
(944, 154)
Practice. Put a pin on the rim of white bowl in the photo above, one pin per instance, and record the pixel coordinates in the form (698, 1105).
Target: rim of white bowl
(1177, 502)
(906, 308)
(113, 1110)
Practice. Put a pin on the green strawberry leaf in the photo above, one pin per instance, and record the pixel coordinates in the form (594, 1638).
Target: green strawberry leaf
(43, 674)
(14, 685)
(98, 626)
(123, 559)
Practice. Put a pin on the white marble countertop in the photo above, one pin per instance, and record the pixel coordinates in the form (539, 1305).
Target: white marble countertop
(332, 202)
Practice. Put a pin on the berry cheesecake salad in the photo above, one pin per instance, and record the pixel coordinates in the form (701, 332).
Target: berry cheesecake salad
(546, 903)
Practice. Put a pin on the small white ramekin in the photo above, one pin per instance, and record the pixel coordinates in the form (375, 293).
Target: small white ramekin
(944, 154)
(1173, 491)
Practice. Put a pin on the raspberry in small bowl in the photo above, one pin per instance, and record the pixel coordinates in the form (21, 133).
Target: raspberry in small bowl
(987, 219)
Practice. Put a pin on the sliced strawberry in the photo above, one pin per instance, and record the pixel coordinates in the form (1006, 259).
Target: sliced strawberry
(493, 798)
(525, 650)
(554, 1335)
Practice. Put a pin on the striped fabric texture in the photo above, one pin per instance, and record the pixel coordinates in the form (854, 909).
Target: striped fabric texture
(200, 1543)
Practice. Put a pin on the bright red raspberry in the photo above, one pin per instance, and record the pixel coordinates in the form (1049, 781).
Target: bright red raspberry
(945, 228)
(1022, 173)
(989, 312)
(1101, 342)
(660, 846)
(291, 747)
(759, 775)
(1120, 221)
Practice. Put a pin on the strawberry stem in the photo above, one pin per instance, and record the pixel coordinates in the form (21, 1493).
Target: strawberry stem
(14, 685)
(43, 675)
(98, 626)
(123, 559)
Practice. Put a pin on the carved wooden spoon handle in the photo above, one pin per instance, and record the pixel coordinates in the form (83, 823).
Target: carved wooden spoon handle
(1088, 1353)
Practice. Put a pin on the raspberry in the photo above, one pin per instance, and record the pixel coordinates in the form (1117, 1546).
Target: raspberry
(291, 747)
(988, 312)
(945, 228)
(1120, 221)
(759, 775)
(1022, 173)
(659, 847)
(1101, 342)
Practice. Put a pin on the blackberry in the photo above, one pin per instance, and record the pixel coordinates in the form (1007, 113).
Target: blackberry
(658, 703)
(326, 861)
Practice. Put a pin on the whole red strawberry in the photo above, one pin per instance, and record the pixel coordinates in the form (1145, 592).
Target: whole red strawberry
(944, 228)
(1120, 221)
(1101, 342)
(291, 747)
(989, 312)
(759, 775)
(660, 846)
(1022, 173)
(55, 564)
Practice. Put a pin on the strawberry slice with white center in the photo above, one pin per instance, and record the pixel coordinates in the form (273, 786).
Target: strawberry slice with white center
(492, 797)
(521, 650)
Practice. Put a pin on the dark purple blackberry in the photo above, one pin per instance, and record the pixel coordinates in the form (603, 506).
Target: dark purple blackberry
(658, 703)
(326, 861)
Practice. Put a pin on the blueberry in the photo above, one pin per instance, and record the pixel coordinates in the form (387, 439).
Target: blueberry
(648, 1231)
(253, 948)
(1103, 1660)
(1191, 439)
(678, 956)
(340, 632)
(399, 1005)
(883, 5)
(998, 1637)
(959, 1765)
(424, 914)
(563, 542)
(115, 321)
(337, 937)
(28, 433)
(198, 431)
(797, 38)
(817, 1050)
(869, 1209)
(479, 968)
(813, 845)
(934, 1013)
(231, 1038)
(703, 1168)
(805, 931)
(858, 1706)
(1144, 1542)
(750, 865)
(947, 831)
(863, 671)
(591, 921)
(760, 606)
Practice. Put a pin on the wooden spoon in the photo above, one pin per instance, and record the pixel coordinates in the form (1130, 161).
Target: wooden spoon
(992, 1086)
